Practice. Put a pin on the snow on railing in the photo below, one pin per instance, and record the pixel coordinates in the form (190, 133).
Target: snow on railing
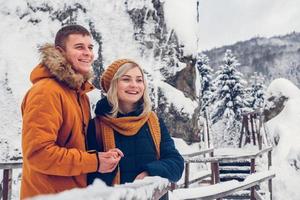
(215, 160)
(148, 188)
(223, 189)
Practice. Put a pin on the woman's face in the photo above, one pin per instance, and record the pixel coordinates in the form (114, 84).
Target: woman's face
(130, 87)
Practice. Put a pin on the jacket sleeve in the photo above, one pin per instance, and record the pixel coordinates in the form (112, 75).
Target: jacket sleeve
(42, 120)
(171, 164)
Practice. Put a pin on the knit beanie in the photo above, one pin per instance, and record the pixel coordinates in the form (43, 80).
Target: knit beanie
(110, 72)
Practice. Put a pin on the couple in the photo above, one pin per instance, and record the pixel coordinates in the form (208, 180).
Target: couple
(63, 148)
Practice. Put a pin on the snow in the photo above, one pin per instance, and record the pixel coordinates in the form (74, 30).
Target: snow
(181, 16)
(177, 98)
(286, 155)
(283, 87)
(18, 55)
(140, 189)
(199, 192)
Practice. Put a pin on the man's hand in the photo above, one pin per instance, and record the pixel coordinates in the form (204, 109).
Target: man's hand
(141, 175)
(109, 160)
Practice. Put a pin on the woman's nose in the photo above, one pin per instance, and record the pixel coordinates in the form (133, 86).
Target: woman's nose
(133, 83)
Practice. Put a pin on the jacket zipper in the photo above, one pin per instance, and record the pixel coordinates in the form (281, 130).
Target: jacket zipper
(83, 124)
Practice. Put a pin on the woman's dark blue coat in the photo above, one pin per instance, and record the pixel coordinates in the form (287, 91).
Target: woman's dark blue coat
(139, 151)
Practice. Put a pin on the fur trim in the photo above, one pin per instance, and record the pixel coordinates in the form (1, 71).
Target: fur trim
(61, 68)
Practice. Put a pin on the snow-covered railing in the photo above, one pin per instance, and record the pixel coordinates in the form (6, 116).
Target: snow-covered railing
(227, 158)
(187, 181)
(6, 188)
(150, 188)
(215, 160)
(224, 189)
(251, 131)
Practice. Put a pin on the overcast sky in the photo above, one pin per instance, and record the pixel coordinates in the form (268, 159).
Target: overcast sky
(227, 21)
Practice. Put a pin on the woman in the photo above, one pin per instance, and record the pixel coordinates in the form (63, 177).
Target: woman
(124, 120)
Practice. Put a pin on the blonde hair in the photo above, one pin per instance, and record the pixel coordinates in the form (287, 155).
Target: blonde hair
(112, 95)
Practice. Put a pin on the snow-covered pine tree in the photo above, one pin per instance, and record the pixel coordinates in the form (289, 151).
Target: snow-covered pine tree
(256, 92)
(205, 75)
(229, 99)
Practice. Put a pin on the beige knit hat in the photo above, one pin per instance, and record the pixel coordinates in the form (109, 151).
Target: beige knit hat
(110, 72)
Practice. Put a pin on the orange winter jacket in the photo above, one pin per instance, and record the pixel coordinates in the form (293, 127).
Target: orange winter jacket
(55, 114)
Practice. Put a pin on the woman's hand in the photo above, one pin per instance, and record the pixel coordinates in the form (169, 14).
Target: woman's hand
(141, 175)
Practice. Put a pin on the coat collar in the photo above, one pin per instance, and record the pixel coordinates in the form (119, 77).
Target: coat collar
(53, 64)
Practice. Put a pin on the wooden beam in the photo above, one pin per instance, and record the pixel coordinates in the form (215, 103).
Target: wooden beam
(14, 165)
(198, 159)
(7, 184)
(217, 194)
(187, 175)
(252, 171)
(258, 196)
(202, 152)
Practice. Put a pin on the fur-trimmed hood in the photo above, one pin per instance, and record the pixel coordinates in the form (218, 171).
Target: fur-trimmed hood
(59, 68)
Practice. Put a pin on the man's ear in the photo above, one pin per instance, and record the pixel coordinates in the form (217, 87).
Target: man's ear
(61, 50)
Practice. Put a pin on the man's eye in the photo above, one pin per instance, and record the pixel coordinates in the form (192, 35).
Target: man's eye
(91, 48)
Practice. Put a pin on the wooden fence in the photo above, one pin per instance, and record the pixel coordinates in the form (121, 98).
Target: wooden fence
(6, 187)
(204, 156)
(215, 160)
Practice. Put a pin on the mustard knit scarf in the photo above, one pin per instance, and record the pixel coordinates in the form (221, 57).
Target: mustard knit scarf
(127, 126)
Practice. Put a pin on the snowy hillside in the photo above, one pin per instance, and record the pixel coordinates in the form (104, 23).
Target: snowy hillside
(274, 57)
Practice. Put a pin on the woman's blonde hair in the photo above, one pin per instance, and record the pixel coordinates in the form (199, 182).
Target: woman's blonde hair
(112, 95)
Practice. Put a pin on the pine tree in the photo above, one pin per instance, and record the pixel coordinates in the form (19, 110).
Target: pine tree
(205, 71)
(229, 98)
(257, 92)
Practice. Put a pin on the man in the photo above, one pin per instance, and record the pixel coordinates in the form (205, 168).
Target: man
(55, 114)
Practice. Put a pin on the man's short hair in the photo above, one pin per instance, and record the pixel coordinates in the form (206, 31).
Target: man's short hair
(65, 31)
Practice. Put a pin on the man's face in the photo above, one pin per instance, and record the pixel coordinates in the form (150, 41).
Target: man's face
(79, 52)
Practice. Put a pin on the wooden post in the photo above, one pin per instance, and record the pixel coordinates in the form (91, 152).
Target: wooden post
(270, 181)
(216, 172)
(212, 180)
(252, 170)
(173, 186)
(242, 133)
(187, 175)
(7, 184)
(247, 131)
(207, 129)
(252, 128)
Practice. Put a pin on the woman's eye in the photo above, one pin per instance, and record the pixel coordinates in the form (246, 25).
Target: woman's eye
(139, 80)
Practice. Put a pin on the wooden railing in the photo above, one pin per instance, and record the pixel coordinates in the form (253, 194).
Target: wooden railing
(224, 189)
(206, 152)
(7, 178)
(152, 188)
(158, 192)
(158, 189)
(215, 160)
